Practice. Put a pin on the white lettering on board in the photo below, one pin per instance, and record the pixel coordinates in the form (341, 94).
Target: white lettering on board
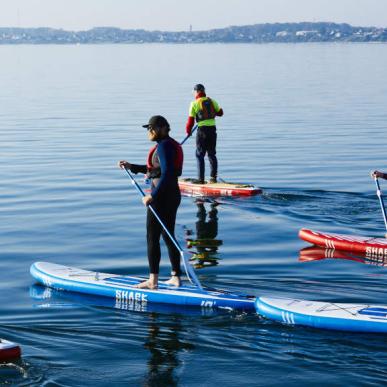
(135, 301)
(376, 252)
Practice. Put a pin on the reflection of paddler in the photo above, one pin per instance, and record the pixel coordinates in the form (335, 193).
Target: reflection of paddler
(204, 259)
(204, 242)
(206, 231)
(164, 344)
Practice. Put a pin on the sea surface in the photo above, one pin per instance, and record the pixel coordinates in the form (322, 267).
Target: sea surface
(305, 122)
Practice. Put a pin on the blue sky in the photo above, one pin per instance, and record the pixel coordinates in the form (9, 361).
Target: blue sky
(176, 15)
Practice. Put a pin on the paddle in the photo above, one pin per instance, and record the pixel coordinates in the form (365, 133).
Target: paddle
(189, 135)
(188, 268)
(379, 195)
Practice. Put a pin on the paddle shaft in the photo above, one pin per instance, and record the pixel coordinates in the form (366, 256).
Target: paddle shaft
(188, 269)
(379, 195)
(189, 135)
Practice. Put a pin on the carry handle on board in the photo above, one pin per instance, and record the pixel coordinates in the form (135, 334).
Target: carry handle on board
(379, 195)
(188, 268)
(189, 135)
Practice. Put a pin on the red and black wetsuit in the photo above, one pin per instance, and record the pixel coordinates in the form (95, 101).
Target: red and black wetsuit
(165, 162)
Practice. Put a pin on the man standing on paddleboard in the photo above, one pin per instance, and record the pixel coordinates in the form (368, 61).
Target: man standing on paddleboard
(204, 110)
(164, 165)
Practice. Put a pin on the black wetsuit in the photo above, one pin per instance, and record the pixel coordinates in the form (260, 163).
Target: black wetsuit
(206, 143)
(166, 199)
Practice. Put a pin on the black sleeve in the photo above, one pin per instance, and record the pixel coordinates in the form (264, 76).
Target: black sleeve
(166, 155)
(135, 168)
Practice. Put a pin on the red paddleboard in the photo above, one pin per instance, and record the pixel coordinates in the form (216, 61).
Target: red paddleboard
(371, 247)
(188, 187)
(8, 350)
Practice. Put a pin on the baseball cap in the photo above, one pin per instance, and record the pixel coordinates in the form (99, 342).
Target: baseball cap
(157, 122)
(199, 87)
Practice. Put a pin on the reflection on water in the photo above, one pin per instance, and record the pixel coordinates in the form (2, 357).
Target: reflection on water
(315, 253)
(45, 297)
(206, 245)
(12, 372)
(164, 345)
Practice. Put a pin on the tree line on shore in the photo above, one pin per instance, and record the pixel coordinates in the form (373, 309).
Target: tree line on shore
(258, 33)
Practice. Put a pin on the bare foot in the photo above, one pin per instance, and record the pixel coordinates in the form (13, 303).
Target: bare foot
(146, 285)
(174, 281)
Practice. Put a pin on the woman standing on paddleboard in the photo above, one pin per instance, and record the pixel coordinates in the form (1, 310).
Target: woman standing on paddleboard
(164, 166)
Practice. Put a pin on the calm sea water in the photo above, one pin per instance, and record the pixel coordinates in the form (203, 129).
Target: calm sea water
(304, 122)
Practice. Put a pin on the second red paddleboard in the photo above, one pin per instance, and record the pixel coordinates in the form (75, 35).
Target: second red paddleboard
(376, 247)
(187, 186)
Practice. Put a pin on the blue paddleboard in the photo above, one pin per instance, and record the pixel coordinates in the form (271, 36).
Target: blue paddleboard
(122, 288)
(326, 315)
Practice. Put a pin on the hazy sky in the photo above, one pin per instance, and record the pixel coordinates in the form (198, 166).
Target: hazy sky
(174, 15)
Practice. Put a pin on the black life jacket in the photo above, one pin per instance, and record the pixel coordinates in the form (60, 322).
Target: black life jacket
(206, 109)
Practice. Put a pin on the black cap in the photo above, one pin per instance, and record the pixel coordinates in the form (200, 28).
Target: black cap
(199, 87)
(157, 122)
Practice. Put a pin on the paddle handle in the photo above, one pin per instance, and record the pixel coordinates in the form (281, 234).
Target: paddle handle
(380, 196)
(189, 135)
(188, 268)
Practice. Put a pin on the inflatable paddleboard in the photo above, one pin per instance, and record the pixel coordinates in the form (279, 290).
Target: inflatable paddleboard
(315, 253)
(325, 315)
(9, 350)
(121, 288)
(188, 187)
(370, 246)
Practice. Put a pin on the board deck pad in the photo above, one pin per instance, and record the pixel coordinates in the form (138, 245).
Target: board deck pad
(122, 288)
(187, 186)
(325, 315)
(367, 245)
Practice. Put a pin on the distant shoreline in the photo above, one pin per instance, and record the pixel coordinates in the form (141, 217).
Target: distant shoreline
(305, 32)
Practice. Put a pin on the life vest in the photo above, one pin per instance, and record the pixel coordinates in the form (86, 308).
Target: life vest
(206, 109)
(153, 161)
